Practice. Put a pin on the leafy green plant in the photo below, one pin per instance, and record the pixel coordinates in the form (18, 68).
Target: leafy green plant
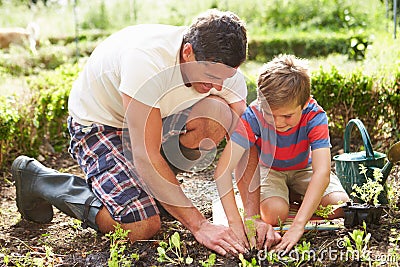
(392, 196)
(174, 246)
(361, 240)
(324, 212)
(246, 263)
(303, 249)
(280, 224)
(369, 191)
(251, 227)
(119, 239)
(393, 251)
(26, 128)
(210, 261)
(76, 224)
(298, 256)
(302, 252)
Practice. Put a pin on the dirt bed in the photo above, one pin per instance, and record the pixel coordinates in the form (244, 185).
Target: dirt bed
(63, 243)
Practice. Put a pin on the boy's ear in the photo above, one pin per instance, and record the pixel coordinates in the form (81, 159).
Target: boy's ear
(306, 104)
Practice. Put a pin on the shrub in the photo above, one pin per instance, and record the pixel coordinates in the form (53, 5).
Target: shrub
(307, 45)
(24, 128)
(375, 101)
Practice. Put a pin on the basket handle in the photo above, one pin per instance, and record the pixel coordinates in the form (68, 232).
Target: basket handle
(364, 134)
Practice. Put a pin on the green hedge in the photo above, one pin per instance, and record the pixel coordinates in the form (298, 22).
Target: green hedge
(61, 50)
(26, 128)
(30, 122)
(307, 45)
(372, 99)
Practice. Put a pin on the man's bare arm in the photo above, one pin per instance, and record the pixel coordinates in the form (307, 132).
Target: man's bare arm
(145, 128)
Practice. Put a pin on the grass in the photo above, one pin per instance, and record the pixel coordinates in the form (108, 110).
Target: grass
(57, 20)
(12, 85)
(261, 17)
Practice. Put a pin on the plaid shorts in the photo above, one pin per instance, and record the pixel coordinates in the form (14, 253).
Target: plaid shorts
(99, 150)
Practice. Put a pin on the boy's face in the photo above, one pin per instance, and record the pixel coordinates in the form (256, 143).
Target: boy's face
(285, 117)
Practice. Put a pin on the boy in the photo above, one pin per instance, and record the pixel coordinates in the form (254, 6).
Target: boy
(285, 136)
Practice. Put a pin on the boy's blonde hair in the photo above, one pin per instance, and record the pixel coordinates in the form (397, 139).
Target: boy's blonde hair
(285, 80)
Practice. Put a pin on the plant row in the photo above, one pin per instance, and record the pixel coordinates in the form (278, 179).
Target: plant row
(36, 121)
(308, 45)
(58, 50)
(31, 123)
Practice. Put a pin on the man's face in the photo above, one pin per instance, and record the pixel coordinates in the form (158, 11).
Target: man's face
(205, 75)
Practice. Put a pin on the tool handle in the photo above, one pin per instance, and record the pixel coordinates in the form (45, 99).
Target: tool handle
(364, 134)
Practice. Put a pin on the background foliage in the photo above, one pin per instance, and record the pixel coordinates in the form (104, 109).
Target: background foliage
(354, 59)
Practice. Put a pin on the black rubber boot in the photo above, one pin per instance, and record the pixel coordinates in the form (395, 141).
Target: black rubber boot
(182, 159)
(39, 187)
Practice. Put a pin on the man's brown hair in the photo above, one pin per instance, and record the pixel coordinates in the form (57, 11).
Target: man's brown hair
(219, 37)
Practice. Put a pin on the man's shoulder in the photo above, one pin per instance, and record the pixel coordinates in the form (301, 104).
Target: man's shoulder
(236, 81)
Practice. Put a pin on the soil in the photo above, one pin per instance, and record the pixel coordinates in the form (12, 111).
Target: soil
(64, 243)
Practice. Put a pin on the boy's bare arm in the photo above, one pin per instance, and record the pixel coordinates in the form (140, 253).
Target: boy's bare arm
(321, 164)
(248, 181)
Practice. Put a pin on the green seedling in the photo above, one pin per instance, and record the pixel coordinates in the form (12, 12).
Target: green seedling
(76, 224)
(272, 257)
(324, 212)
(302, 251)
(280, 224)
(394, 255)
(210, 261)
(118, 242)
(173, 246)
(369, 191)
(251, 228)
(361, 239)
(393, 196)
(246, 263)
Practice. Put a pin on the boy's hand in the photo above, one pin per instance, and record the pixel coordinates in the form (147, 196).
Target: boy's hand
(265, 236)
(290, 238)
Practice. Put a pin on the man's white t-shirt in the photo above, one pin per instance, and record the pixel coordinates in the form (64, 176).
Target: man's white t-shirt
(142, 62)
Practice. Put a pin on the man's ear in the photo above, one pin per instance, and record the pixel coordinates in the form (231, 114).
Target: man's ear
(187, 51)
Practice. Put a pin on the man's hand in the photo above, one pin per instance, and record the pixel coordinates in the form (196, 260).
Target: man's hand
(219, 238)
(263, 235)
(290, 238)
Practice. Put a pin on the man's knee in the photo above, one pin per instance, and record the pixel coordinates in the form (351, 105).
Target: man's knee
(214, 108)
(140, 230)
(208, 122)
(143, 230)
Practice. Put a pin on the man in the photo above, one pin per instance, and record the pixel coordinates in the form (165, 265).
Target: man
(172, 93)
